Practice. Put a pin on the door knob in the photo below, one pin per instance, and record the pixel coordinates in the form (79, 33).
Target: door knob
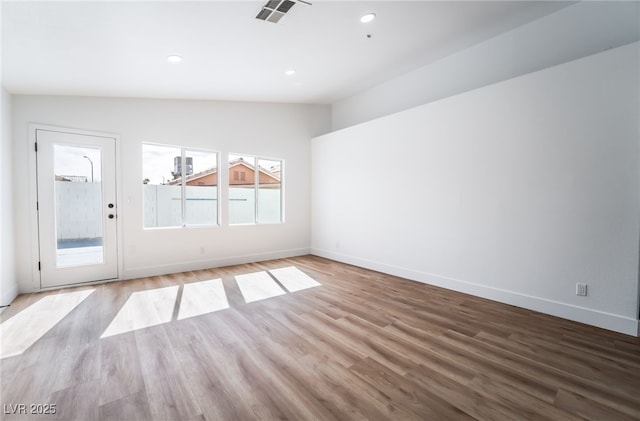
(111, 216)
(110, 205)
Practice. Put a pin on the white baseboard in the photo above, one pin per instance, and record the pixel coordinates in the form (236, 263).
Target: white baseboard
(8, 296)
(588, 316)
(156, 270)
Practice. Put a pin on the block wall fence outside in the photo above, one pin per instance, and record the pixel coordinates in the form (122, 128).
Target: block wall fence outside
(78, 210)
(515, 191)
(162, 205)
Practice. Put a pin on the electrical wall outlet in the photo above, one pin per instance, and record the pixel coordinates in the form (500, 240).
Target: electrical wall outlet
(581, 289)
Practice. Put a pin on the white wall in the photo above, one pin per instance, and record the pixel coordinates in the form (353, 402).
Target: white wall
(272, 130)
(515, 191)
(573, 32)
(8, 285)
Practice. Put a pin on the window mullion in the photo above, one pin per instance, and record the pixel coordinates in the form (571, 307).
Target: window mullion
(183, 190)
(282, 191)
(256, 185)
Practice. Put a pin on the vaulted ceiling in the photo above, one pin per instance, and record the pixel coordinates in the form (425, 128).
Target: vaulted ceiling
(121, 48)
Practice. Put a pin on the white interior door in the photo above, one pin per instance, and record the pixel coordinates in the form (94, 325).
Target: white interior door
(77, 208)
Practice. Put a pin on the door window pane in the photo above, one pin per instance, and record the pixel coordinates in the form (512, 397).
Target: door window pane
(78, 206)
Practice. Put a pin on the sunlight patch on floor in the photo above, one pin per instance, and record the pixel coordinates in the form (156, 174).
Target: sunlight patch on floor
(258, 286)
(21, 331)
(144, 309)
(201, 298)
(162, 305)
(294, 279)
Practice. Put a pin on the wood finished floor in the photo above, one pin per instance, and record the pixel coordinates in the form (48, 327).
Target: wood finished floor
(363, 345)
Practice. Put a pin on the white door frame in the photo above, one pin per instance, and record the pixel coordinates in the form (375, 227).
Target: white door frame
(33, 199)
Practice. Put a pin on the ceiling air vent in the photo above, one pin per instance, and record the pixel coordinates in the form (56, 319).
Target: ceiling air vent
(274, 10)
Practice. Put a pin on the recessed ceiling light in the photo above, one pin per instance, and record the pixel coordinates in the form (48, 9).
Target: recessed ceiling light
(174, 59)
(368, 17)
(290, 72)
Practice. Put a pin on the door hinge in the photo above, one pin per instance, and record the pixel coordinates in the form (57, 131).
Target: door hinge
(36, 146)
(39, 267)
(37, 206)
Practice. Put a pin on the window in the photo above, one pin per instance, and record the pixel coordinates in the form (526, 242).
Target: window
(255, 196)
(173, 197)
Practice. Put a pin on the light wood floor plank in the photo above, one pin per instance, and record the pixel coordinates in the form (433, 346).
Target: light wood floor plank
(360, 346)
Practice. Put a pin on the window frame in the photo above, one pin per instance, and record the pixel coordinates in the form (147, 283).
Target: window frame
(256, 188)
